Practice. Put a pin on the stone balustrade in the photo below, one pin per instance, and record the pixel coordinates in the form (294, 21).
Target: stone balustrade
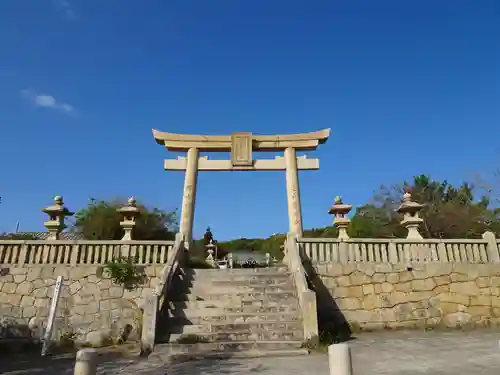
(307, 297)
(410, 250)
(92, 307)
(60, 252)
(399, 250)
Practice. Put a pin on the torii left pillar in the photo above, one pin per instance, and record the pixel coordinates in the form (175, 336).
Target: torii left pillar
(189, 197)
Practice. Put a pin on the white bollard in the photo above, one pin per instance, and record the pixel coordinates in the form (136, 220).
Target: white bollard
(86, 362)
(339, 359)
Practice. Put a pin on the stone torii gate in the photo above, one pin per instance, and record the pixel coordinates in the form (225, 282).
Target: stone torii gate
(241, 146)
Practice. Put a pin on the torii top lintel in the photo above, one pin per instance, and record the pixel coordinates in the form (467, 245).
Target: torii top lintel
(223, 143)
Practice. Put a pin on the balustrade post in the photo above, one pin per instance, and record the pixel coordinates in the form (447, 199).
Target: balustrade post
(74, 254)
(23, 254)
(392, 253)
(491, 247)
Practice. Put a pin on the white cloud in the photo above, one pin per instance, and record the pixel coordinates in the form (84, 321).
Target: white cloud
(48, 101)
(45, 101)
(67, 108)
(67, 8)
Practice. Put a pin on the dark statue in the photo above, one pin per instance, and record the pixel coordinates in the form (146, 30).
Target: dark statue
(208, 237)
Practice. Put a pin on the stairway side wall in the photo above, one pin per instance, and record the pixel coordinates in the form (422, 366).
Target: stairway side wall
(91, 309)
(371, 296)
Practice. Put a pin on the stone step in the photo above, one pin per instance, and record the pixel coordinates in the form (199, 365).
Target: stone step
(239, 297)
(195, 308)
(247, 327)
(244, 335)
(231, 349)
(223, 278)
(237, 271)
(233, 303)
(228, 289)
(254, 353)
(220, 316)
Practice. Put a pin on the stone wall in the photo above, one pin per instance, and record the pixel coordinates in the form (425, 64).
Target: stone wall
(91, 309)
(375, 296)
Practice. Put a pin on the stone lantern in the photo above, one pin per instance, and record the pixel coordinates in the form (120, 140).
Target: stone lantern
(210, 250)
(340, 210)
(411, 219)
(129, 213)
(57, 212)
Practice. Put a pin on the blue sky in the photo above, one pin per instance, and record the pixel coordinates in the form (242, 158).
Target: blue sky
(406, 87)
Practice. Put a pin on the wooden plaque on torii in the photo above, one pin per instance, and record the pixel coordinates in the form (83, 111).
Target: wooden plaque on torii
(241, 149)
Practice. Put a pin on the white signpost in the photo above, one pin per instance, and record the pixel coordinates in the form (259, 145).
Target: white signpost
(47, 337)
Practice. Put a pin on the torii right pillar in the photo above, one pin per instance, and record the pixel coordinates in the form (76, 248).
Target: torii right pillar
(293, 192)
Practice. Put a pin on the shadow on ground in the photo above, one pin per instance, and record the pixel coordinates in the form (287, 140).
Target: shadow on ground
(110, 364)
(31, 363)
(212, 366)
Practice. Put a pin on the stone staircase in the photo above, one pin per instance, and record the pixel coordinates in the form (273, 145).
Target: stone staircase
(232, 313)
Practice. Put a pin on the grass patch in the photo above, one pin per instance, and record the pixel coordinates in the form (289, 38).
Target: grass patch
(123, 271)
(321, 342)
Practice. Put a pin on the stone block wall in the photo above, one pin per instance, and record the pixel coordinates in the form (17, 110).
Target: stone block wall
(91, 308)
(376, 296)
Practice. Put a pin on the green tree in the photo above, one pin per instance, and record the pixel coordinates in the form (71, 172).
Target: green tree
(271, 245)
(101, 221)
(449, 211)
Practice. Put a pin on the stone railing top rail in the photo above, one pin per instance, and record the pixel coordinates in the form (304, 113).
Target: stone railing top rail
(83, 242)
(394, 240)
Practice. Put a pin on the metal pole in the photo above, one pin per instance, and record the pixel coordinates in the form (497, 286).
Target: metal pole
(47, 337)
